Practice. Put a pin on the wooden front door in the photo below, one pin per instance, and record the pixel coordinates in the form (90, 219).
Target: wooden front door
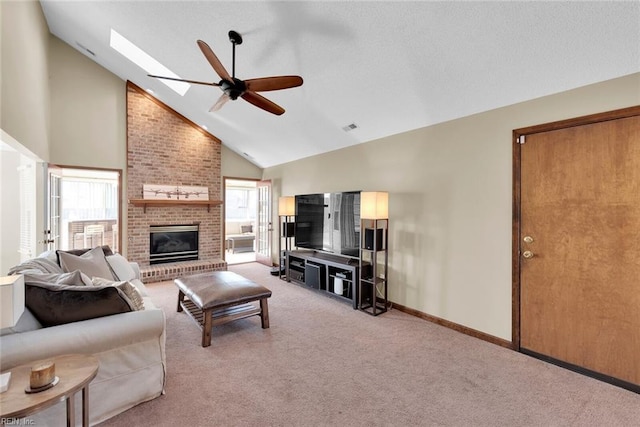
(578, 244)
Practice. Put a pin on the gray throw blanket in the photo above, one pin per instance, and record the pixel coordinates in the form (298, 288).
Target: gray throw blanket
(36, 265)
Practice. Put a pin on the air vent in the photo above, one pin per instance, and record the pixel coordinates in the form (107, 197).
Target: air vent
(350, 127)
(89, 51)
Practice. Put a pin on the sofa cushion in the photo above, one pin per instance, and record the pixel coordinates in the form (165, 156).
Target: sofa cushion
(129, 290)
(121, 267)
(92, 263)
(59, 304)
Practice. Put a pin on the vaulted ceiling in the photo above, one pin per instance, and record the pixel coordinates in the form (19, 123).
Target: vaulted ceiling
(387, 67)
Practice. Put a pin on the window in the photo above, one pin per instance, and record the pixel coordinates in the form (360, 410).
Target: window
(86, 198)
(89, 208)
(240, 204)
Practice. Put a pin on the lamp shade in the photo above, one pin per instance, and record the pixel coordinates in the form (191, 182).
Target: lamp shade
(286, 206)
(374, 205)
(11, 300)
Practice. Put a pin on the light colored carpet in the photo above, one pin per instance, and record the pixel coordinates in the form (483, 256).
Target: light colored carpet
(322, 363)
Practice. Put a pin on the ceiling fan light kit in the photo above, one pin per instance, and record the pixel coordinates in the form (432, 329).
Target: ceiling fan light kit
(234, 88)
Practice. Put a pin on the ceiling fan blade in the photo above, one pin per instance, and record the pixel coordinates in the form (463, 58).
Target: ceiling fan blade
(184, 80)
(214, 61)
(264, 84)
(220, 102)
(262, 102)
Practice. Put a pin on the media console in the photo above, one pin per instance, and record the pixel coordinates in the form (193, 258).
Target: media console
(336, 275)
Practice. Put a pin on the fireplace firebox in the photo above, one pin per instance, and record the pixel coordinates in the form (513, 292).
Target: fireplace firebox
(173, 243)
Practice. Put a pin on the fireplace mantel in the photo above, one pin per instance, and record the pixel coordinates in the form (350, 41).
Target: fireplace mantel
(170, 202)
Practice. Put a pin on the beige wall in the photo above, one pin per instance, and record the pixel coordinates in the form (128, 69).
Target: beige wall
(236, 166)
(88, 111)
(450, 195)
(24, 105)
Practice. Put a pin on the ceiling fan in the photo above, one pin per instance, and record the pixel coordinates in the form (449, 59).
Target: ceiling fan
(233, 87)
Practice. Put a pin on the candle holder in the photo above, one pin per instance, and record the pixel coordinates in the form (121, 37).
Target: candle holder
(43, 377)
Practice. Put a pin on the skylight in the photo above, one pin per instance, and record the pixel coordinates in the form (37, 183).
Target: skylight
(146, 62)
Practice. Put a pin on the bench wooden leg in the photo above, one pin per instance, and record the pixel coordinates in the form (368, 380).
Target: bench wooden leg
(180, 299)
(207, 324)
(264, 313)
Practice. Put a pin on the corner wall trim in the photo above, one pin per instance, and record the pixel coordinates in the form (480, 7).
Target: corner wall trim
(455, 326)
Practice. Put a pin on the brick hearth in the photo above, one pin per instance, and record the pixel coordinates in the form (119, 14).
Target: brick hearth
(164, 148)
(169, 271)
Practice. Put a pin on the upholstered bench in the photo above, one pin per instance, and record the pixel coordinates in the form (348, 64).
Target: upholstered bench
(219, 297)
(240, 243)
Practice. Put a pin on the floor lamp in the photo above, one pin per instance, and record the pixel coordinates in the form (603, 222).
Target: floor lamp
(286, 210)
(374, 229)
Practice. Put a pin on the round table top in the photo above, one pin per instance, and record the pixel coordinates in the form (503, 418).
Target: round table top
(74, 370)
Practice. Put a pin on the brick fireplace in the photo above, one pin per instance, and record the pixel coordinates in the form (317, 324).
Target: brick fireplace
(165, 148)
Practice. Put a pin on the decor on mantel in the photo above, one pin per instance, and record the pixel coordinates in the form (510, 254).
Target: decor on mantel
(374, 233)
(173, 195)
(177, 192)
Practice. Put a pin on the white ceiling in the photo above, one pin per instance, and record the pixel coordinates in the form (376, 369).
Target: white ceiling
(388, 67)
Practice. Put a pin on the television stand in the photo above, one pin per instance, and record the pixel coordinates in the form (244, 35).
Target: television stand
(334, 275)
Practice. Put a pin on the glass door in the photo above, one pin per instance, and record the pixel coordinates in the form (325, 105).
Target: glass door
(52, 232)
(265, 225)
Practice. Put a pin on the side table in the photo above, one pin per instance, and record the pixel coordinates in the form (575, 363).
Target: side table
(75, 371)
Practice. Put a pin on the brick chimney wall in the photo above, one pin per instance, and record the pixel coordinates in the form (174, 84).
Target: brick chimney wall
(164, 148)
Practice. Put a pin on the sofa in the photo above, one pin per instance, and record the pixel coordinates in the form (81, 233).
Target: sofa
(74, 305)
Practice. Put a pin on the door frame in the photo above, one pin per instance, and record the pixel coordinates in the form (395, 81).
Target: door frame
(223, 243)
(516, 230)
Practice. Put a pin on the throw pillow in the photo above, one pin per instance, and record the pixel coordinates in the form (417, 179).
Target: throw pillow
(59, 304)
(92, 263)
(50, 255)
(121, 268)
(105, 248)
(245, 229)
(129, 290)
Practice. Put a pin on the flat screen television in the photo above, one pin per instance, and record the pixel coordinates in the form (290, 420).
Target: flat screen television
(328, 222)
